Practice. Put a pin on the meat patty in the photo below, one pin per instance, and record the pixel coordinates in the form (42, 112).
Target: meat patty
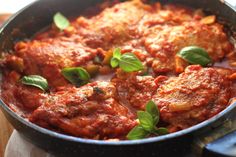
(111, 26)
(21, 98)
(90, 112)
(163, 42)
(134, 90)
(192, 97)
(47, 57)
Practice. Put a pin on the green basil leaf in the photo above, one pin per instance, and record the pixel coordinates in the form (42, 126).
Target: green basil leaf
(61, 21)
(161, 131)
(114, 62)
(117, 53)
(76, 75)
(129, 63)
(137, 133)
(195, 55)
(146, 121)
(36, 81)
(152, 109)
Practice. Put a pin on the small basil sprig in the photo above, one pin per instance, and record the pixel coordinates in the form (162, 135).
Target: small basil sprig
(148, 120)
(127, 62)
(76, 75)
(195, 55)
(36, 81)
(61, 21)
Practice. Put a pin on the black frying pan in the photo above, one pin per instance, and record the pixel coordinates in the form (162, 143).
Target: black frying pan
(39, 15)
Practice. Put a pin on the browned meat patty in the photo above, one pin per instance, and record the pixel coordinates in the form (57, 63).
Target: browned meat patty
(163, 42)
(90, 112)
(192, 97)
(134, 90)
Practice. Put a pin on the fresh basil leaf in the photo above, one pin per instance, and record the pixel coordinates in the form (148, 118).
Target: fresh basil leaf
(195, 55)
(36, 81)
(114, 62)
(161, 131)
(129, 63)
(146, 120)
(152, 109)
(76, 75)
(137, 133)
(115, 58)
(61, 21)
(117, 53)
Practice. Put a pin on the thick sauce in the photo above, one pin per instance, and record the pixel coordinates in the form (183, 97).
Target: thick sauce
(106, 107)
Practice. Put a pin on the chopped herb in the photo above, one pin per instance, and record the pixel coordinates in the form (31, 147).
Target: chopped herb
(127, 62)
(76, 75)
(61, 21)
(36, 81)
(195, 55)
(98, 90)
(148, 120)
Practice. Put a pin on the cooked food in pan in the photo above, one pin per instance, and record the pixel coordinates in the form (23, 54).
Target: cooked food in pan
(122, 70)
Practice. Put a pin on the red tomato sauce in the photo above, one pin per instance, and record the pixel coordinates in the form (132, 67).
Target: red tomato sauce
(106, 108)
